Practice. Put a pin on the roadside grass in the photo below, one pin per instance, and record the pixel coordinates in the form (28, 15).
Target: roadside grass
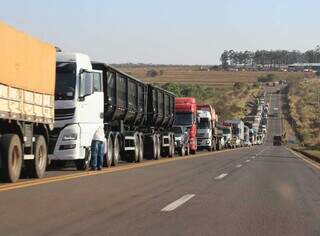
(305, 110)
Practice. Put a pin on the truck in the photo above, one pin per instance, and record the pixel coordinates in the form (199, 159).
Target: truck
(136, 117)
(237, 131)
(27, 83)
(186, 115)
(229, 139)
(207, 133)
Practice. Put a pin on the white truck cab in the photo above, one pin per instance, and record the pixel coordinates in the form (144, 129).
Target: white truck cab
(204, 131)
(79, 102)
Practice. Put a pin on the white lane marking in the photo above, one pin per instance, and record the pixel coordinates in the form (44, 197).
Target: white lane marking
(248, 160)
(238, 166)
(178, 202)
(221, 176)
(253, 157)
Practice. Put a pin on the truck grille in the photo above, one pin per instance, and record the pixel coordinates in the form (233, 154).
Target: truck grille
(64, 114)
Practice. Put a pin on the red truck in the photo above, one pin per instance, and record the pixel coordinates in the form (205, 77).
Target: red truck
(186, 115)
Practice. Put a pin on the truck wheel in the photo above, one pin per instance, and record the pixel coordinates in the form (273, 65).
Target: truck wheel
(140, 157)
(83, 164)
(12, 157)
(109, 155)
(37, 166)
(116, 151)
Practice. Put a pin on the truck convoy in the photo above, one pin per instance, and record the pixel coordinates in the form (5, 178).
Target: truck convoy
(27, 81)
(207, 133)
(136, 117)
(186, 115)
(52, 103)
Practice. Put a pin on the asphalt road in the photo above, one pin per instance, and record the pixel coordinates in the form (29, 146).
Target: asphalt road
(263, 190)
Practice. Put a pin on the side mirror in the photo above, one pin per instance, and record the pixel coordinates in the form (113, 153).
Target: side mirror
(86, 84)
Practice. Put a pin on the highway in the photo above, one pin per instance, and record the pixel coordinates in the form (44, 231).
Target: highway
(262, 190)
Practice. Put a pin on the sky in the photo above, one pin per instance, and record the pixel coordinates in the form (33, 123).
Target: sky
(164, 31)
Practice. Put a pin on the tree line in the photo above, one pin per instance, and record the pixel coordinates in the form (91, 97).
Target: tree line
(268, 58)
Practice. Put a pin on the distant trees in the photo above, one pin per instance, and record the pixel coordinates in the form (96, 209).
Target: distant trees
(268, 58)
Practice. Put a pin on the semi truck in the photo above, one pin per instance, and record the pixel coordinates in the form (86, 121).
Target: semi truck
(136, 117)
(186, 115)
(207, 133)
(237, 131)
(27, 83)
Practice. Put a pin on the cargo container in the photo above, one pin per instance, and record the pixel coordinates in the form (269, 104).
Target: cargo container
(27, 82)
(186, 115)
(136, 117)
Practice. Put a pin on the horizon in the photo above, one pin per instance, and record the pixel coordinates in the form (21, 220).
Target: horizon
(166, 33)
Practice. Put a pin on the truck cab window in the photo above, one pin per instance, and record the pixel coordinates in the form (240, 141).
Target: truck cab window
(97, 86)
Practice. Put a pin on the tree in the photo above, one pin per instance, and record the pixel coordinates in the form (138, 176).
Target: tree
(224, 59)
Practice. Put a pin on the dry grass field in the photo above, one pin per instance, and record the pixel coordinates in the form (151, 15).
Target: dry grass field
(305, 109)
(192, 74)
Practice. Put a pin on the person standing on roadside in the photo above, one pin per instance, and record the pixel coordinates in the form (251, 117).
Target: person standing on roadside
(97, 149)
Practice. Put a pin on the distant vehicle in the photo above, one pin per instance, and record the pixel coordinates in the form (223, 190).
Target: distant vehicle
(227, 136)
(181, 140)
(237, 131)
(277, 140)
(186, 113)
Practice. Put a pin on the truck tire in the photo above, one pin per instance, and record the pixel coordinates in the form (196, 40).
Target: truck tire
(36, 167)
(11, 157)
(140, 157)
(83, 164)
(109, 155)
(116, 150)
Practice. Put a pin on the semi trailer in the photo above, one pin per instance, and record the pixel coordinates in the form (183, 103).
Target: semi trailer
(186, 115)
(136, 117)
(27, 82)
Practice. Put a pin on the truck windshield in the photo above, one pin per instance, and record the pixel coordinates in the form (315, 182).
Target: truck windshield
(204, 124)
(226, 131)
(177, 130)
(65, 81)
(184, 119)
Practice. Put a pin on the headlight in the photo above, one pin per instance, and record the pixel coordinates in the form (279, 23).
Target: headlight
(69, 137)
